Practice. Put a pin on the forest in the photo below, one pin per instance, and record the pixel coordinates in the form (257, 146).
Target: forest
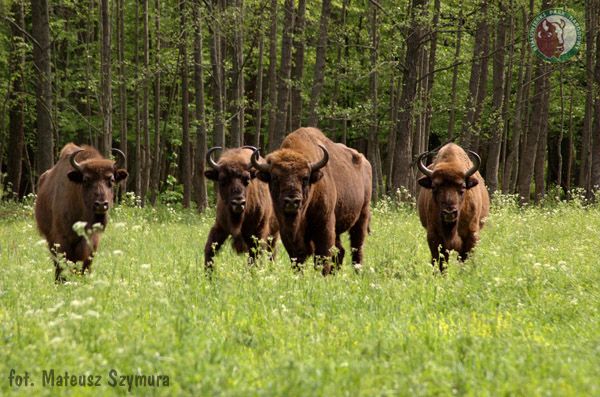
(165, 80)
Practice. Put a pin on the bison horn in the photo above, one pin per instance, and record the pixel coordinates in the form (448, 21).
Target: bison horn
(476, 163)
(251, 148)
(120, 158)
(321, 163)
(545, 25)
(74, 163)
(209, 159)
(422, 167)
(259, 166)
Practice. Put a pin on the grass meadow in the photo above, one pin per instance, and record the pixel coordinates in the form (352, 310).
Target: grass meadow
(520, 317)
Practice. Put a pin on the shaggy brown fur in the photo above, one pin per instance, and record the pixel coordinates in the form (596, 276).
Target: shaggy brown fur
(66, 196)
(244, 208)
(314, 208)
(452, 209)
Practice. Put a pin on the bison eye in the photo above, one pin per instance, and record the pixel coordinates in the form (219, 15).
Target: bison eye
(305, 181)
(246, 180)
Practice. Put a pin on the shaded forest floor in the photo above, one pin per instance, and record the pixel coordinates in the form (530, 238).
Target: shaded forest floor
(521, 317)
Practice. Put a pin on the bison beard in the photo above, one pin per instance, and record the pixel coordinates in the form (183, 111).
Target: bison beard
(77, 189)
(453, 202)
(314, 202)
(244, 208)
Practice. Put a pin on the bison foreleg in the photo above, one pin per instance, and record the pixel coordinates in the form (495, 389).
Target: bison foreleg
(467, 245)
(439, 255)
(216, 238)
(323, 252)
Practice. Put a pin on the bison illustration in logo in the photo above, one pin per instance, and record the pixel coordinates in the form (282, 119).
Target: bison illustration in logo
(550, 37)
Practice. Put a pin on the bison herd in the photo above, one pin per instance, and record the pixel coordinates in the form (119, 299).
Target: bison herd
(308, 192)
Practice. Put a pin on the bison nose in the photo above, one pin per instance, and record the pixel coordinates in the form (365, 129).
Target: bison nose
(291, 204)
(100, 207)
(449, 214)
(238, 204)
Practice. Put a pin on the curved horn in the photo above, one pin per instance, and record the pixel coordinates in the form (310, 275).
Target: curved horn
(259, 166)
(321, 163)
(209, 159)
(251, 148)
(120, 158)
(545, 25)
(74, 163)
(476, 163)
(422, 167)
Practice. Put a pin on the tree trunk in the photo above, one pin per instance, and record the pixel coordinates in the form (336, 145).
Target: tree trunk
(402, 154)
(155, 178)
(477, 81)
(217, 81)
(16, 131)
(319, 73)
(138, 136)
(237, 80)
(373, 146)
(185, 127)
(283, 79)
(105, 142)
(595, 175)
(542, 146)
(497, 122)
(146, 162)
(272, 73)
(122, 84)
(298, 66)
(44, 155)
(586, 134)
(259, 92)
(511, 168)
(430, 71)
(453, 91)
(569, 171)
(199, 180)
(391, 142)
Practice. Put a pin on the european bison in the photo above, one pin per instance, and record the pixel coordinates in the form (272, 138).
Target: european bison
(79, 188)
(319, 189)
(453, 203)
(244, 208)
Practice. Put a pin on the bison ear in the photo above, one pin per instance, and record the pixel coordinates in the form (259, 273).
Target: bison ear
(264, 176)
(121, 174)
(212, 174)
(425, 182)
(75, 176)
(471, 182)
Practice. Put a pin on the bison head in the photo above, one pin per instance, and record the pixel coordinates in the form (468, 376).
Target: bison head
(549, 37)
(233, 175)
(448, 186)
(96, 176)
(290, 176)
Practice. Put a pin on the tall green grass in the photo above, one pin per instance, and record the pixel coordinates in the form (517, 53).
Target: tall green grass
(520, 317)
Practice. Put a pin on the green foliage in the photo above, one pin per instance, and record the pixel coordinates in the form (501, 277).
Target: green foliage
(521, 317)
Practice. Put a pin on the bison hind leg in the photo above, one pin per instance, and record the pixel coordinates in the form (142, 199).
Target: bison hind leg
(339, 258)
(358, 233)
